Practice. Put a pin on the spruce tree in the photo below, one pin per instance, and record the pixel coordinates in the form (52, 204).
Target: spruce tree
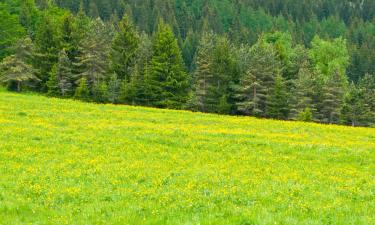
(224, 67)
(82, 92)
(113, 89)
(94, 51)
(16, 70)
(124, 49)
(258, 81)
(100, 92)
(356, 111)
(64, 74)
(168, 80)
(277, 101)
(333, 98)
(52, 83)
(47, 49)
(201, 98)
(304, 93)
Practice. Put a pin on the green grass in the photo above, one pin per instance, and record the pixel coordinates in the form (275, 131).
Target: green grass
(67, 162)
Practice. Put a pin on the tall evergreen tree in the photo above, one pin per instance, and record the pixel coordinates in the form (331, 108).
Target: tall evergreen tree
(15, 70)
(201, 98)
(82, 92)
(124, 48)
(277, 102)
(333, 98)
(10, 31)
(94, 52)
(304, 93)
(356, 111)
(168, 79)
(47, 49)
(258, 81)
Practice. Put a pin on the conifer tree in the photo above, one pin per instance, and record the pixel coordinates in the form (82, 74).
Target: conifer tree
(356, 111)
(277, 101)
(64, 74)
(258, 80)
(168, 80)
(10, 30)
(52, 83)
(82, 92)
(67, 37)
(94, 52)
(224, 67)
(124, 48)
(47, 50)
(100, 92)
(201, 97)
(15, 70)
(113, 89)
(304, 92)
(333, 98)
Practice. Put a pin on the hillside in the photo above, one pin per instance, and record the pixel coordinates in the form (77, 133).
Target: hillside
(67, 162)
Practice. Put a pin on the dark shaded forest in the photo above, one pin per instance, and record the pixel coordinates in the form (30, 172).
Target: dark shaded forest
(283, 59)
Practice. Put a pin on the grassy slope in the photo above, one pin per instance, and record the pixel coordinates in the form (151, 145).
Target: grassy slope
(63, 161)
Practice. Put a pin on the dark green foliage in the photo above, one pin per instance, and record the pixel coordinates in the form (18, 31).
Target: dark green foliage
(305, 90)
(257, 81)
(305, 115)
(277, 102)
(113, 89)
(94, 52)
(168, 79)
(333, 98)
(124, 49)
(202, 97)
(356, 110)
(10, 30)
(279, 59)
(53, 82)
(47, 49)
(82, 92)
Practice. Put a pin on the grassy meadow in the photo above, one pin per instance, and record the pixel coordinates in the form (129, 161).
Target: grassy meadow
(67, 162)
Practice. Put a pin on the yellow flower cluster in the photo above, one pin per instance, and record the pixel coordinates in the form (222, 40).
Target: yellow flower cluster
(66, 162)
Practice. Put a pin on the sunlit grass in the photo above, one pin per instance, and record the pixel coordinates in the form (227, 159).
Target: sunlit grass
(67, 162)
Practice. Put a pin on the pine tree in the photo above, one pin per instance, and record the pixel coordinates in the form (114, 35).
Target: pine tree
(82, 92)
(113, 89)
(29, 16)
(47, 50)
(304, 93)
(124, 49)
(224, 67)
(257, 82)
(100, 92)
(10, 30)
(251, 95)
(168, 80)
(64, 74)
(333, 98)
(67, 36)
(53, 82)
(201, 98)
(94, 51)
(277, 102)
(356, 111)
(15, 70)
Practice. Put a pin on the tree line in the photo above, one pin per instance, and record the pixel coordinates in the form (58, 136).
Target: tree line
(79, 55)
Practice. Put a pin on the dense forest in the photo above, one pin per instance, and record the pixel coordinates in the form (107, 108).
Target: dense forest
(307, 60)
